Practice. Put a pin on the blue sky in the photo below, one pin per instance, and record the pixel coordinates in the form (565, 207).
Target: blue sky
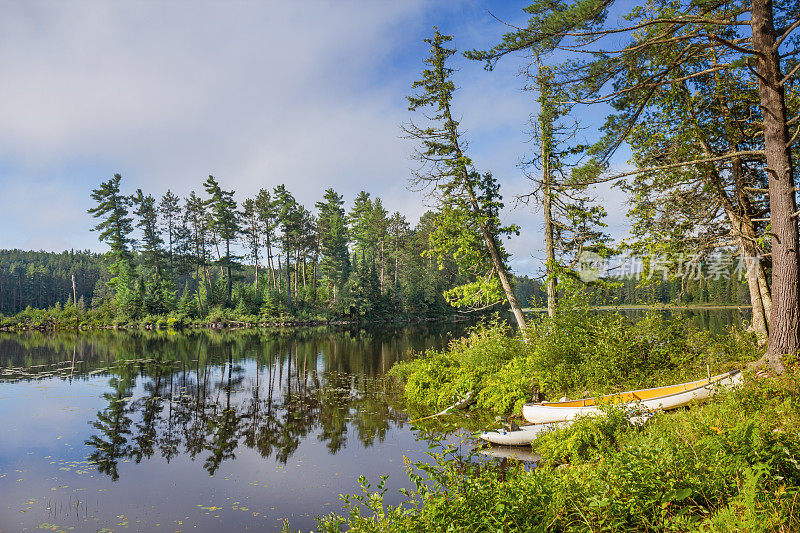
(310, 94)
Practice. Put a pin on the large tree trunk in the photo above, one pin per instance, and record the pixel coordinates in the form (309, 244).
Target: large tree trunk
(738, 211)
(552, 294)
(754, 268)
(784, 335)
(502, 273)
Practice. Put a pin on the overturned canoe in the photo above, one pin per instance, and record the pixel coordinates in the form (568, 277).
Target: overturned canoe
(668, 397)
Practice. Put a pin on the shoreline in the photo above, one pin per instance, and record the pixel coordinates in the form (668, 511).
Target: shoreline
(226, 325)
(650, 307)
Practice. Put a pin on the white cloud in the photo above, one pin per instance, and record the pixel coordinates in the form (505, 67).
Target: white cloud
(310, 94)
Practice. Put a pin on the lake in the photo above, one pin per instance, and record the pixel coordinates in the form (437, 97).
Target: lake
(199, 431)
(205, 430)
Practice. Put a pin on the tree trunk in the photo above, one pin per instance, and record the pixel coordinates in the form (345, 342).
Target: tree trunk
(197, 276)
(784, 335)
(739, 210)
(228, 281)
(396, 260)
(552, 280)
(314, 280)
(279, 275)
(270, 265)
(499, 266)
(288, 278)
(256, 261)
(550, 267)
(296, 271)
(207, 282)
(382, 266)
(750, 256)
(75, 305)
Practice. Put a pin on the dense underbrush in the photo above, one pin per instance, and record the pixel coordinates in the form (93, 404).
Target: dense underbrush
(730, 464)
(579, 353)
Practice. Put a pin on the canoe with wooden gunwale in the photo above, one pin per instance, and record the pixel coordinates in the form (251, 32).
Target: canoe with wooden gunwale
(668, 397)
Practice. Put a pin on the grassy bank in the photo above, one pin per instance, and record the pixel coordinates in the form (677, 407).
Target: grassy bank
(731, 464)
(59, 318)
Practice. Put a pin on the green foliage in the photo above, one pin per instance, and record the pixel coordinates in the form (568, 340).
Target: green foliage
(438, 379)
(311, 277)
(579, 352)
(468, 231)
(728, 465)
(587, 438)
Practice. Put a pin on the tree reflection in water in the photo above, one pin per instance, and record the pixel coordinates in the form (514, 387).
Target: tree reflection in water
(205, 395)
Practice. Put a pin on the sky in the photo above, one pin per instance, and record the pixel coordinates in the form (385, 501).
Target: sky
(310, 94)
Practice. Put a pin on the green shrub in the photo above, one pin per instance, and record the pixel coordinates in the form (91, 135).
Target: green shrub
(437, 379)
(727, 465)
(586, 438)
(580, 352)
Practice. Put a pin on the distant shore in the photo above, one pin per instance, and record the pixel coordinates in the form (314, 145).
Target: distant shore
(652, 307)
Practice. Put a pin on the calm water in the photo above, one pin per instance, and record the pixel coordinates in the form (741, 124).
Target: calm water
(205, 431)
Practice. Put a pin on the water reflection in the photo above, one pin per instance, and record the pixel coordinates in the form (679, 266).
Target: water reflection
(203, 430)
(206, 394)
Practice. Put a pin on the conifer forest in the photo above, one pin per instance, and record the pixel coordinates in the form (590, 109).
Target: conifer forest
(466, 266)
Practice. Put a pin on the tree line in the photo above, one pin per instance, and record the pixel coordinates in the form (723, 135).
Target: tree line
(44, 279)
(264, 255)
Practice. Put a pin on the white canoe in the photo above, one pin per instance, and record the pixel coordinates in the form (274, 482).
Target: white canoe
(523, 436)
(668, 397)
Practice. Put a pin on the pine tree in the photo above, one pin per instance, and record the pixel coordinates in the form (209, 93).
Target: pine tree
(670, 46)
(145, 210)
(251, 231)
(333, 237)
(289, 217)
(225, 223)
(461, 190)
(267, 216)
(115, 228)
(197, 220)
(170, 210)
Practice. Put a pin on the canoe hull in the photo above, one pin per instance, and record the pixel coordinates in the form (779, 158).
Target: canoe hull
(553, 412)
(524, 436)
